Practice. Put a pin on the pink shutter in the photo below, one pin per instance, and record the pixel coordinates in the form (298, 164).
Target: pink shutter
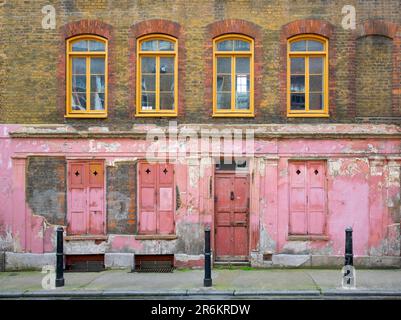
(96, 198)
(77, 199)
(166, 198)
(147, 198)
(316, 197)
(298, 216)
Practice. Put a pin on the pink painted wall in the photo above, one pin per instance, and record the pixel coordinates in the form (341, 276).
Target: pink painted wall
(363, 191)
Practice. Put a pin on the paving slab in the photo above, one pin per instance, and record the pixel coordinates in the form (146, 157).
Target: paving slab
(312, 283)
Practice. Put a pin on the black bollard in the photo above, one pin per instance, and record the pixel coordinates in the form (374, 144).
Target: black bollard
(60, 258)
(207, 281)
(349, 255)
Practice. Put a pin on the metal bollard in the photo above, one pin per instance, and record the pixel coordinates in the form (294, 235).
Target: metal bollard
(60, 258)
(349, 255)
(207, 281)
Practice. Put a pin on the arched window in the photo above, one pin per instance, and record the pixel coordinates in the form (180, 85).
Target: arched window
(233, 76)
(86, 76)
(157, 76)
(307, 76)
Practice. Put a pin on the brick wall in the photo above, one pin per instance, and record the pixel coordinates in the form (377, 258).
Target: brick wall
(30, 55)
(46, 188)
(373, 76)
(121, 198)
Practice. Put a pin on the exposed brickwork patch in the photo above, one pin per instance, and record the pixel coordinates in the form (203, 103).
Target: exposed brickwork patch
(307, 26)
(373, 76)
(232, 26)
(81, 27)
(46, 188)
(376, 27)
(121, 198)
(157, 26)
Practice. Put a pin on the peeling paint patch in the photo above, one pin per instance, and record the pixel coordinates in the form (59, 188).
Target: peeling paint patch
(347, 167)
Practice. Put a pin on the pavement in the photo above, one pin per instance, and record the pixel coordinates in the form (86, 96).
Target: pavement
(238, 283)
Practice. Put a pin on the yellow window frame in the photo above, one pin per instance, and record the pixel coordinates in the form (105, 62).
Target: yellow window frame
(233, 55)
(306, 55)
(157, 55)
(88, 55)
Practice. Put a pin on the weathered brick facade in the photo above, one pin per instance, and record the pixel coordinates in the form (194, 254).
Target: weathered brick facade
(32, 58)
(84, 174)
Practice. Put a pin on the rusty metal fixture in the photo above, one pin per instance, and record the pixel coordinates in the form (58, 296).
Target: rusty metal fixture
(154, 263)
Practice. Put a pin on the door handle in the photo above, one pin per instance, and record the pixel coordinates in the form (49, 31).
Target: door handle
(232, 195)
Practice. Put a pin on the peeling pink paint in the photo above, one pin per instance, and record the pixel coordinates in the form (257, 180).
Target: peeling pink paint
(363, 191)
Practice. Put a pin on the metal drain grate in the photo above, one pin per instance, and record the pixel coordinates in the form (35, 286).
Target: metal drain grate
(87, 266)
(154, 263)
(2, 261)
(85, 263)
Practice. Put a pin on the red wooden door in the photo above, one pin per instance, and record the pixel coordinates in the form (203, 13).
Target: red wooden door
(307, 197)
(231, 216)
(156, 198)
(86, 198)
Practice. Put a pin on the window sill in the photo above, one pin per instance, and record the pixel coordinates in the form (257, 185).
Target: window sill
(155, 115)
(307, 238)
(87, 116)
(86, 237)
(308, 115)
(156, 237)
(233, 115)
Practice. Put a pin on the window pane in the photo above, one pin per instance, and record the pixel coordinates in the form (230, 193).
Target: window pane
(315, 83)
(226, 45)
(78, 83)
(167, 65)
(297, 66)
(81, 45)
(298, 45)
(242, 100)
(95, 45)
(97, 65)
(166, 82)
(97, 83)
(242, 65)
(240, 45)
(223, 101)
(78, 101)
(148, 65)
(242, 83)
(223, 82)
(167, 101)
(148, 101)
(150, 45)
(297, 101)
(79, 66)
(316, 65)
(97, 101)
(224, 65)
(166, 45)
(297, 83)
(315, 101)
(315, 45)
(149, 82)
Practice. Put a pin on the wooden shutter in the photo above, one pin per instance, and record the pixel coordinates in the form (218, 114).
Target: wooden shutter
(77, 199)
(166, 199)
(307, 197)
(147, 198)
(298, 207)
(316, 197)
